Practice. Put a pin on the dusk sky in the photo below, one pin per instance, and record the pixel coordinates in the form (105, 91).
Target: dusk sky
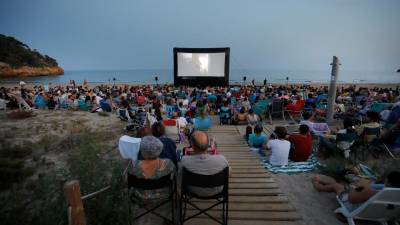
(263, 34)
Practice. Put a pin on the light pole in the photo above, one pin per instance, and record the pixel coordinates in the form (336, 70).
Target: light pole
(287, 82)
(332, 89)
(156, 79)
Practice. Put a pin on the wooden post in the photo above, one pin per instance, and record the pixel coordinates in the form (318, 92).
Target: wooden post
(332, 90)
(72, 192)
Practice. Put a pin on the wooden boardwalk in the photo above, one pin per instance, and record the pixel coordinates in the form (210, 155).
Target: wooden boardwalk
(254, 197)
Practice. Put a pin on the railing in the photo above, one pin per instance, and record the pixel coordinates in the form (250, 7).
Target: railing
(72, 192)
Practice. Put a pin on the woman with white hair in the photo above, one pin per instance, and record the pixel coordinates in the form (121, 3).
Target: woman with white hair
(152, 167)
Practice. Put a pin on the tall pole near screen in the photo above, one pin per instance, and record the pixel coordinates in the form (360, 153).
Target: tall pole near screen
(332, 89)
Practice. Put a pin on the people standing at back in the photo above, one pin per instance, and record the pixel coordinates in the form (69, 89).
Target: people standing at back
(279, 147)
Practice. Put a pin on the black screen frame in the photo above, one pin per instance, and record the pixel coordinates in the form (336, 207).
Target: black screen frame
(203, 80)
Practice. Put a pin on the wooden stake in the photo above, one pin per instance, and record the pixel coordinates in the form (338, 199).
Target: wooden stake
(72, 192)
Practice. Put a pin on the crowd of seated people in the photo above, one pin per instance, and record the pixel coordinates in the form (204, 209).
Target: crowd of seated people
(248, 105)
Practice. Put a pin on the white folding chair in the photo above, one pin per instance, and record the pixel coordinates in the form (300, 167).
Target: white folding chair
(3, 104)
(382, 207)
(172, 129)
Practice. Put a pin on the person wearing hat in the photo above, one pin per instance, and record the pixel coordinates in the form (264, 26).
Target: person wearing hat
(152, 167)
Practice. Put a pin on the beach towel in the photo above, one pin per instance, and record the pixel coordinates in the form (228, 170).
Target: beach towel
(293, 167)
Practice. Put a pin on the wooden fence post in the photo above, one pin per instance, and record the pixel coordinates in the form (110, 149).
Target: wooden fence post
(72, 192)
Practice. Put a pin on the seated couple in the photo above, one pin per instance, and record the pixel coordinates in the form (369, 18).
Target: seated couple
(152, 166)
(296, 147)
(354, 195)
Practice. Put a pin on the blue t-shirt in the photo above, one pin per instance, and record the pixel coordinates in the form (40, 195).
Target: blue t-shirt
(202, 124)
(257, 142)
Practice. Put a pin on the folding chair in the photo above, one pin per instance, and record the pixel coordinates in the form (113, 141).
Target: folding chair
(295, 109)
(369, 139)
(105, 106)
(152, 205)
(261, 109)
(123, 114)
(344, 142)
(292, 128)
(3, 104)
(82, 105)
(277, 108)
(204, 181)
(382, 207)
(172, 129)
(225, 116)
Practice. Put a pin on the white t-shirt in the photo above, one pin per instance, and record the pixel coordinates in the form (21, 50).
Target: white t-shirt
(280, 152)
(182, 122)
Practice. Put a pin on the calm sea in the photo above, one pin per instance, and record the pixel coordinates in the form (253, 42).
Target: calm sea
(236, 75)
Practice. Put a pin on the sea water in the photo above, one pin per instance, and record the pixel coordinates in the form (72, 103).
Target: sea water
(236, 76)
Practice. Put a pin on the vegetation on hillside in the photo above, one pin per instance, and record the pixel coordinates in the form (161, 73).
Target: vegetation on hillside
(17, 54)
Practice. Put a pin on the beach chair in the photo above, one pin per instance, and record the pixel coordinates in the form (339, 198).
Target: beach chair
(82, 105)
(382, 207)
(344, 142)
(123, 114)
(190, 179)
(295, 109)
(292, 128)
(3, 104)
(369, 140)
(225, 116)
(321, 98)
(105, 106)
(170, 109)
(277, 108)
(140, 100)
(261, 109)
(319, 129)
(172, 129)
(167, 181)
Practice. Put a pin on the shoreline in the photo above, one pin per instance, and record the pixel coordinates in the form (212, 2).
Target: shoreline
(232, 84)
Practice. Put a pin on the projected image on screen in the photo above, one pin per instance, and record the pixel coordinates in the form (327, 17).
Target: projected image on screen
(201, 64)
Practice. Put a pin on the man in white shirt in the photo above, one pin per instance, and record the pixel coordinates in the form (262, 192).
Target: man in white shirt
(279, 148)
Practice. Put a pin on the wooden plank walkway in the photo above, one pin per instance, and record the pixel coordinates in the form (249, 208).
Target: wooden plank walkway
(254, 197)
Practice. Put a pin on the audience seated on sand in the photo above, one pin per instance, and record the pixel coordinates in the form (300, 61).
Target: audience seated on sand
(279, 147)
(182, 121)
(252, 118)
(328, 142)
(257, 139)
(241, 117)
(355, 194)
(394, 114)
(302, 144)
(169, 146)
(371, 121)
(391, 137)
(151, 166)
(203, 122)
(308, 120)
(246, 104)
(200, 162)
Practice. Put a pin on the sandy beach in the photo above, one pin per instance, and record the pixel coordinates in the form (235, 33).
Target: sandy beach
(316, 208)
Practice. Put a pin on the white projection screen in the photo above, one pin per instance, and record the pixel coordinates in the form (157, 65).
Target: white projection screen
(201, 66)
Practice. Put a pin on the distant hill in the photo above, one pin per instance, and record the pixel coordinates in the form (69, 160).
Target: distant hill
(17, 59)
